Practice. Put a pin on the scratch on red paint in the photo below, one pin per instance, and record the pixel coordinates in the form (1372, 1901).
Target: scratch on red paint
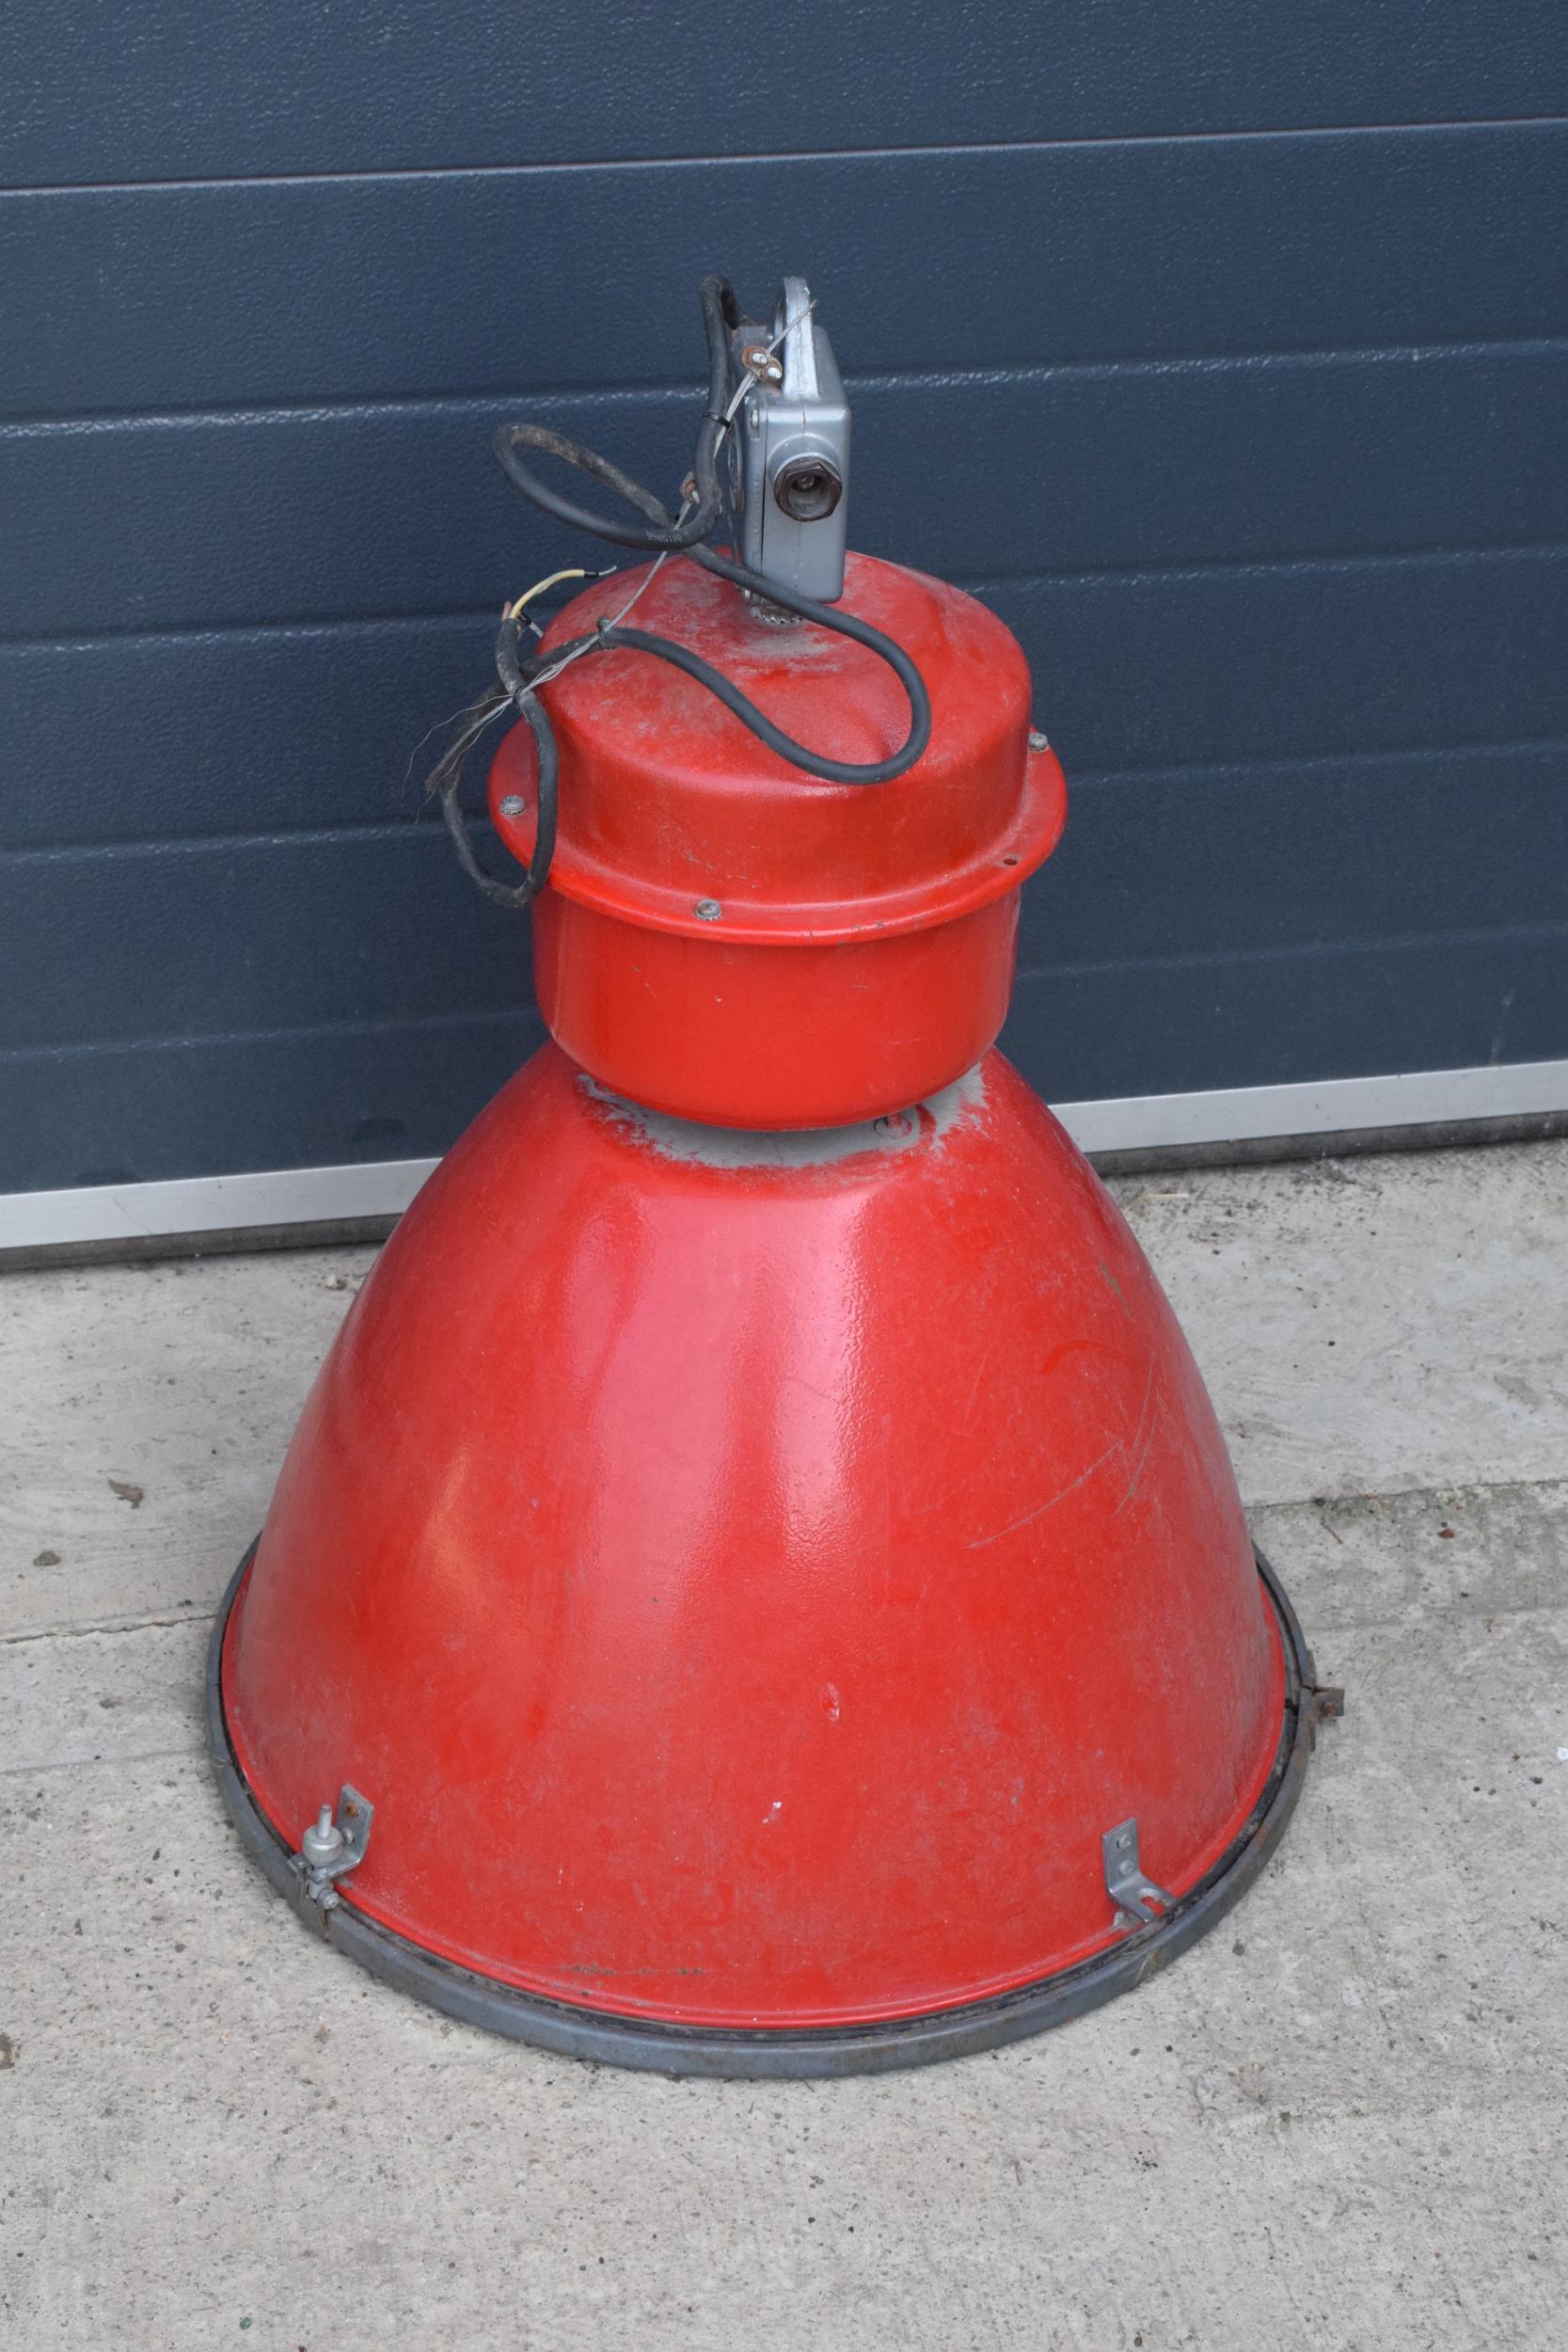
(1050, 1504)
(1146, 1430)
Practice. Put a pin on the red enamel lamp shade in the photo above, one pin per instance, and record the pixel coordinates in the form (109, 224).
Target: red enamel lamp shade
(750, 1573)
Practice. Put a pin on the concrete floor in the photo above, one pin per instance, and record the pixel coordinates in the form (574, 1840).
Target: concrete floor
(1339, 2120)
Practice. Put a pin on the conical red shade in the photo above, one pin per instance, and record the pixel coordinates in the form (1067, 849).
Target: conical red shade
(749, 1575)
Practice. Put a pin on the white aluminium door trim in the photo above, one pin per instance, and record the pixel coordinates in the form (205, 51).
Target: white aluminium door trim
(1325, 1107)
(379, 1189)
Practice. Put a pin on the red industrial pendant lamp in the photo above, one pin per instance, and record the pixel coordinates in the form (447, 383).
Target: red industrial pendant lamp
(758, 1587)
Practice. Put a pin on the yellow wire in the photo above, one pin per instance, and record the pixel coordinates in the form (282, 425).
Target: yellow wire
(575, 572)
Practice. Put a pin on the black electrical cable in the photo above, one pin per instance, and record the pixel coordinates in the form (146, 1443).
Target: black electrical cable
(662, 533)
(659, 531)
(447, 779)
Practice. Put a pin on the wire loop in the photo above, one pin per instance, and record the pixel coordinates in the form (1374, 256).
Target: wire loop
(663, 534)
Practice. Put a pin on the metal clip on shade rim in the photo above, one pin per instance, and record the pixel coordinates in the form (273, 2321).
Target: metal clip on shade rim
(825, 2052)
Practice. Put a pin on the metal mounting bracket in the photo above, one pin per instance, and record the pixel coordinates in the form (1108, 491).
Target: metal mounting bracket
(1324, 1702)
(789, 453)
(333, 1846)
(1139, 1901)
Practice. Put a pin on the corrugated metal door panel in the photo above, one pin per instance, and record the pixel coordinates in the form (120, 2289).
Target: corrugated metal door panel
(385, 287)
(1223, 353)
(117, 92)
(395, 507)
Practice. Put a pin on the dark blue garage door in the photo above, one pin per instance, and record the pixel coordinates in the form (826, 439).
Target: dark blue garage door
(1221, 348)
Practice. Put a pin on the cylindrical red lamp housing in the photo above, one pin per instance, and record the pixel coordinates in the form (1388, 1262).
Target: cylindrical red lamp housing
(731, 940)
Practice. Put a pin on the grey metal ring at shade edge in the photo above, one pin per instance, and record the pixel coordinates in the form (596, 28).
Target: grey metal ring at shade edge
(821, 2051)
